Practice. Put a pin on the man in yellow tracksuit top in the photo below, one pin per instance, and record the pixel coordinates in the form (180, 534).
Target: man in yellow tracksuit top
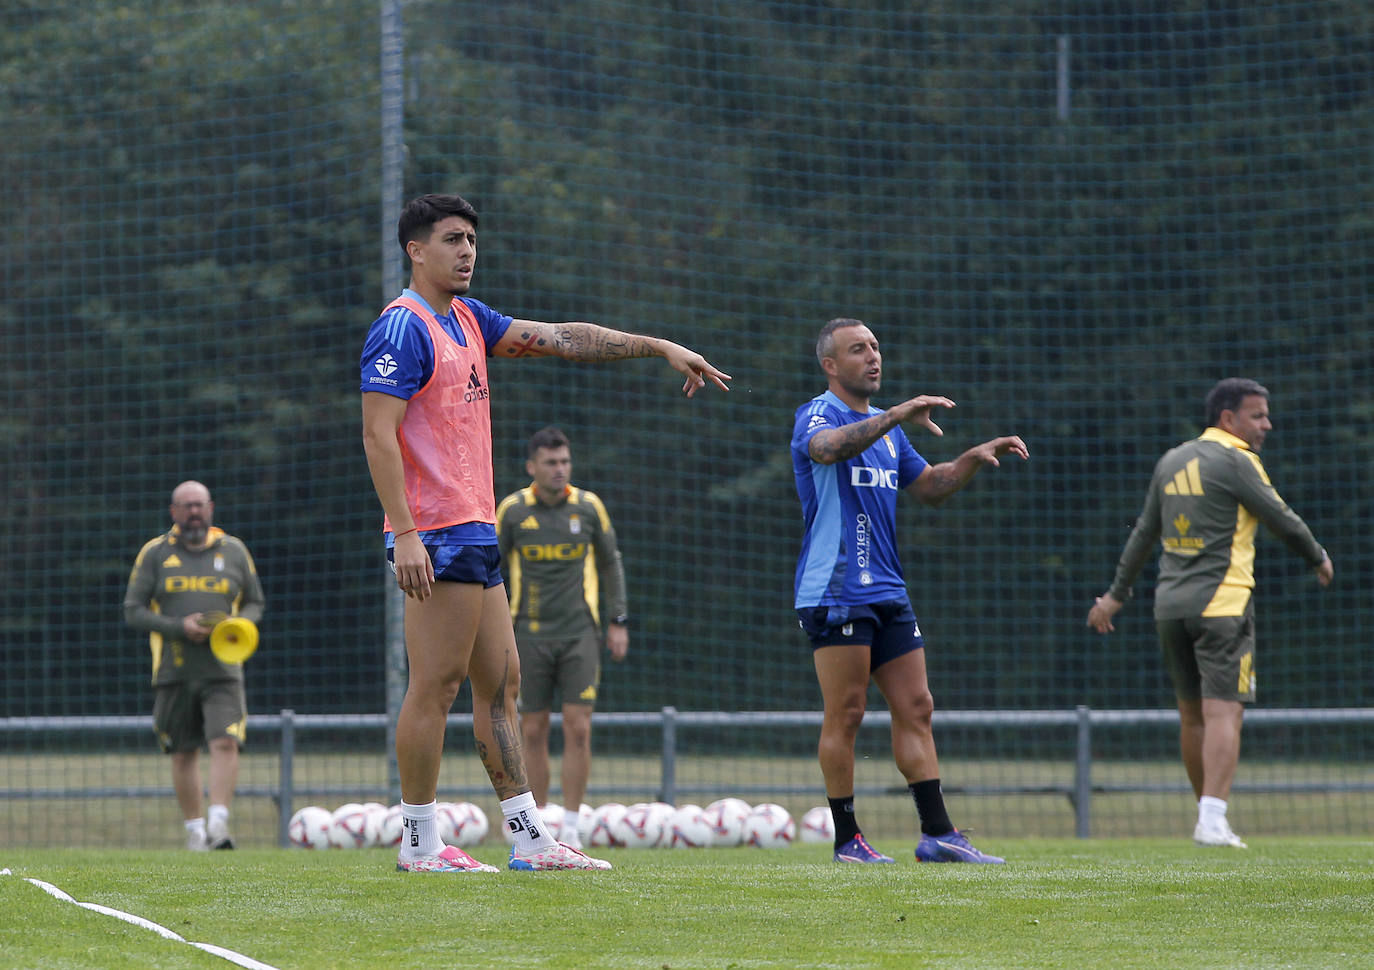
(560, 554)
(179, 580)
(1205, 503)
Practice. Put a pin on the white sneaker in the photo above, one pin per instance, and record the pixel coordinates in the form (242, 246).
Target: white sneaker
(196, 840)
(449, 859)
(1217, 835)
(218, 835)
(556, 856)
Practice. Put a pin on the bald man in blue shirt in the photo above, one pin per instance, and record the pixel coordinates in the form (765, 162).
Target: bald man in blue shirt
(850, 459)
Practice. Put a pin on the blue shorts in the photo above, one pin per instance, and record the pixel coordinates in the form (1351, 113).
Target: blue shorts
(889, 629)
(461, 564)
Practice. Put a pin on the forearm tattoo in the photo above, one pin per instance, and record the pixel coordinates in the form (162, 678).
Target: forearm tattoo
(581, 341)
(841, 444)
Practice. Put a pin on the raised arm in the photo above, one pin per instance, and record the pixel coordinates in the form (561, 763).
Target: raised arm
(590, 342)
(843, 443)
(938, 482)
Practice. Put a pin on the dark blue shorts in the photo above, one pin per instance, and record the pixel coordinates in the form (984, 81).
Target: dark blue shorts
(461, 564)
(887, 629)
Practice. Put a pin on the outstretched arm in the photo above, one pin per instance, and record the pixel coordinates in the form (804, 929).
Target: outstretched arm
(841, 444)
(589, 342)
(938, 482)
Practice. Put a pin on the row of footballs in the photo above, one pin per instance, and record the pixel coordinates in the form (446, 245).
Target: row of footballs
(643, 825)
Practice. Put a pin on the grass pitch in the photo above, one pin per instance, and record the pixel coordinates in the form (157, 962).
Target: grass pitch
(1058, 904)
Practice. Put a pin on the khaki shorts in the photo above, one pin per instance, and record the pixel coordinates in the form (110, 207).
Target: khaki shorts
(572, 666)
(187, 715)
(1212, 657)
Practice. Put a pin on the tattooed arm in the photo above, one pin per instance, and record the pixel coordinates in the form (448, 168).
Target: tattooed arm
(589, 342)
(938, 482)
(841, 444)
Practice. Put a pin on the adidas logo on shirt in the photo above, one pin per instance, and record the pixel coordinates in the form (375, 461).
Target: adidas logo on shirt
(1188, 480)
(475, 391)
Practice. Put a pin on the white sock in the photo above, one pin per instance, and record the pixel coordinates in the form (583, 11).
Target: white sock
(419, 833)
(525, 824)
(1211, 811)
(219, 814)
(196, 825)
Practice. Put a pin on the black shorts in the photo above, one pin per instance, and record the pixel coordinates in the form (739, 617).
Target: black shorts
(889, 629)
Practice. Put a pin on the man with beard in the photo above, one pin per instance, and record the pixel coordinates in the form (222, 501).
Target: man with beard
(850, 459)
(1206, 500)
(182, 581)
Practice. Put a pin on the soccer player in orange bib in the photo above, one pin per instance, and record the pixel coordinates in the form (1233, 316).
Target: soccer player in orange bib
(427, 436)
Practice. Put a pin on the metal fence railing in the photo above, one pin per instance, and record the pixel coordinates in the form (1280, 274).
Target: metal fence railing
(671, 723)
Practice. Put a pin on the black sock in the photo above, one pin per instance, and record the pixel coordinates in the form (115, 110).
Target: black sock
(846, 825)
(930, 806)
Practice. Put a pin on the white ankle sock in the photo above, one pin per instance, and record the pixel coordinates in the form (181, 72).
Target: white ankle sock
(219, 814)
(1211, 811)
(525, 824)
(196, 825)
(419, 833)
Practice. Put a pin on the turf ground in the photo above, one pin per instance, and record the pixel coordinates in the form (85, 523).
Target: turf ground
(1137, 903)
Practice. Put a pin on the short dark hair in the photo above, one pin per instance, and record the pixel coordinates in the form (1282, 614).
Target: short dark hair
(549, 437)
(419, 216)
(1227, 395)
(825, 343)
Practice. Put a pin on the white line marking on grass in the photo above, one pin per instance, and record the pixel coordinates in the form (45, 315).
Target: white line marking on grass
(162, 931)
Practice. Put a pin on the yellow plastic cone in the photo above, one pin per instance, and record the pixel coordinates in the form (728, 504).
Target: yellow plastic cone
(233, 640)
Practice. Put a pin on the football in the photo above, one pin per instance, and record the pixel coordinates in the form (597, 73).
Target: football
(769, 826)
(309, 828)
(817, 825)
(554, 819)
(352, 827)
(725, 817)
(582, 824)
(391, 828)
(468, 824)
(644, 824)
(604, 830)
(376, 817)
(687, 829)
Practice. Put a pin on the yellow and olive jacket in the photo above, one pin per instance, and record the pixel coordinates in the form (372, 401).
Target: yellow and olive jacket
(1206, 501)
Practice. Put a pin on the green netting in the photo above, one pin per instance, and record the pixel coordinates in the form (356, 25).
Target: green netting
(1071, 218)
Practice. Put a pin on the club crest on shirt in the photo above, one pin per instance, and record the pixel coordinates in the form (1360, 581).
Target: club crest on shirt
(574, 524)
